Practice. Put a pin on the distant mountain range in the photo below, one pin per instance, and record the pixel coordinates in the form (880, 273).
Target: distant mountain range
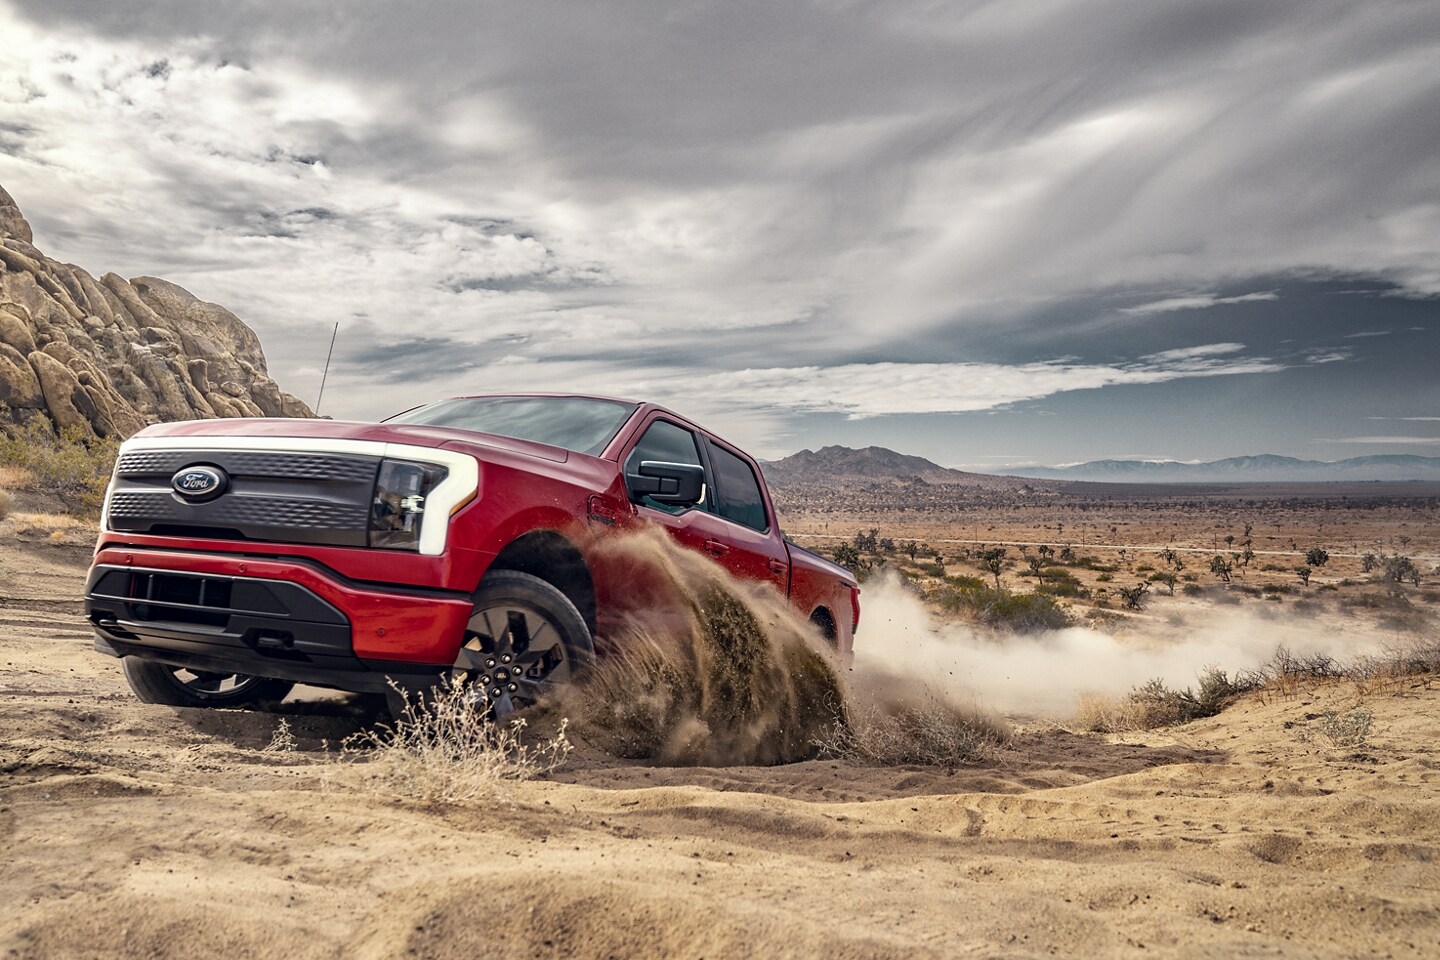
(871, 465)
(1265, 468)
(871, 462)
(877, 465)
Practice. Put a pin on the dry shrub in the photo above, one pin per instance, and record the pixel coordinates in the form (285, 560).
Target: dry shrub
(1153, 704)
(4, 504)
(445, 749)
(67, 465)
(15, 478)
(1286, 673)
(1338, 730)
(1399, 666)
(703, 668)
(980, 603)
(928, 730)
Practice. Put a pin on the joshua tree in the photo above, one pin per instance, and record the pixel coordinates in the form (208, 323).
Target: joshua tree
(1303, 572)
(867, 542)
(1168, 578)
(1317, 557)
(1221, 567)
(1037, 567)
(992, 560)
(1132, 596)
(1368, 562)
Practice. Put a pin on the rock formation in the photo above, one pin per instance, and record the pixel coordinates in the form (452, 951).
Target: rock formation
(109, 356)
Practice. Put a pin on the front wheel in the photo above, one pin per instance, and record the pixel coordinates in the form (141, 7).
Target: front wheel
(178, 687)
(524, 640)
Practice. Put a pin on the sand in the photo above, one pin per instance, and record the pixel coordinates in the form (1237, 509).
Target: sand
(144, 831)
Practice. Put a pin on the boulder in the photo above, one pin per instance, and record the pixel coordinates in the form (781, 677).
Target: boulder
(109, 356)
(16, 333)
(65, 400)
(19, 387)
(12, 223)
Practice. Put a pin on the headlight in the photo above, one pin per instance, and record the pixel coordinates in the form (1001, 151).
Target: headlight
(397, 510)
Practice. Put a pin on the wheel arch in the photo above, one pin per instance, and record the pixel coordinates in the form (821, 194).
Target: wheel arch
(552, 557)
(822, 618)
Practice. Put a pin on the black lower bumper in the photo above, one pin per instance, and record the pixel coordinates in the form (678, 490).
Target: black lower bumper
(263, 628)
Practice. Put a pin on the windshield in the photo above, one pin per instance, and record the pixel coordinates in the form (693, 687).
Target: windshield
(582, 424)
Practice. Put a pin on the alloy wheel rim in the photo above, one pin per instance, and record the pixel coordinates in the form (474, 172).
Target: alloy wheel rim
(511, 657)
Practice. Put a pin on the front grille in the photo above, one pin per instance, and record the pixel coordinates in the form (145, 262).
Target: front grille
(289, 466)
(276, 497)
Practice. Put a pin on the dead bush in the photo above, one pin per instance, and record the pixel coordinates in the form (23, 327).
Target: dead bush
(928, 731)
(445, 749)
(1153, 704)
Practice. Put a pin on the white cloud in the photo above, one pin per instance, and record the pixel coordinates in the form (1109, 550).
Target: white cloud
(878, 389)
(543, 189)
(1197, 302)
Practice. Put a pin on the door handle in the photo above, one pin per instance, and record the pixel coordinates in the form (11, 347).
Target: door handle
(716, 548)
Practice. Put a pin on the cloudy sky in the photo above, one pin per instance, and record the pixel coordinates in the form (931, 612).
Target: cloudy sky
(983, 232)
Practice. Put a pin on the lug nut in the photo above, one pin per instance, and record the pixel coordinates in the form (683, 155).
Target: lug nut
(490, 662)
(506, 659)
(513, 688)
(495, 692)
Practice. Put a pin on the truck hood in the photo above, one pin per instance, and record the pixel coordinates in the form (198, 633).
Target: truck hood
(413, 434)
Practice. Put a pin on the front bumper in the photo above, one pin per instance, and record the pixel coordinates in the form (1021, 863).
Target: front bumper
(284, 618)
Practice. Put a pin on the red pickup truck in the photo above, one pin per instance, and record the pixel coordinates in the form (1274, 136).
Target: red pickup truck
(239, 557)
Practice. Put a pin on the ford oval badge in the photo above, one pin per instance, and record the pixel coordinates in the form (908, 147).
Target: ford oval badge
(199, 483)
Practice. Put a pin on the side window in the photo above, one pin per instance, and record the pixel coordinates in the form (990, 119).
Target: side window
(738, 491)
(667, 443)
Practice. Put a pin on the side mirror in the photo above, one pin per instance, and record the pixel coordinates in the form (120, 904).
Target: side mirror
(677, 484)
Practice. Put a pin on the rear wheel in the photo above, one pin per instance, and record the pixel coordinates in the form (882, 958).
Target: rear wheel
(180, 687)
(524, 641)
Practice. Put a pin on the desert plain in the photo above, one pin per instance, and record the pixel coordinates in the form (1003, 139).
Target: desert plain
(143, 831)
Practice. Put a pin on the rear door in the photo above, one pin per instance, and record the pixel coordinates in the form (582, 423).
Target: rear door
(755, 547)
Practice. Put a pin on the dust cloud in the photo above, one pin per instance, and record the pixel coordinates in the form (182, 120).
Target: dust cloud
(1044, 673)
(702, 669)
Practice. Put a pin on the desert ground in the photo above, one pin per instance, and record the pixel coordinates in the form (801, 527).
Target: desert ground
(144, 831)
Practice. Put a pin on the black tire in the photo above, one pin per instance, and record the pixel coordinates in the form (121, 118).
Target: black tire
(524, 641)
(178, 687)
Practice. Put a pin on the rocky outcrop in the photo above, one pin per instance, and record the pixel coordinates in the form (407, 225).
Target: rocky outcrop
(108, 356)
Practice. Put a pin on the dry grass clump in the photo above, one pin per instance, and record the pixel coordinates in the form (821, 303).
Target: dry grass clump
(929, 731)
(56, 527)
(1285, 674)
(4, 504)
(445, 749)
(1153, 704)
(1338, 730)
(1396, 667)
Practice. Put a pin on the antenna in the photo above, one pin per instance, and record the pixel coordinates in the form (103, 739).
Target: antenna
(324, 376)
